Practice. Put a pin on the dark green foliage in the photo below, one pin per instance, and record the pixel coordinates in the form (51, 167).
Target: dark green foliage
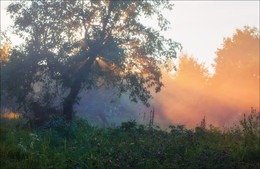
(128, 125)
(179, 130)
(114, 50)
(79, 145)
(251, 131)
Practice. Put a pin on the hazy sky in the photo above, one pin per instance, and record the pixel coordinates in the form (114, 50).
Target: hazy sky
(198, 25)
(201, 25)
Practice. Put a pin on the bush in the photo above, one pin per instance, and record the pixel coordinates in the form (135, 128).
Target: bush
(128, 125)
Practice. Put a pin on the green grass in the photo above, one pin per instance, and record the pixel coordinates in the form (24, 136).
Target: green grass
(80, 145)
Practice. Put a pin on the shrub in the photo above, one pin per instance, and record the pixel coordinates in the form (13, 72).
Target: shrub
(128, 125)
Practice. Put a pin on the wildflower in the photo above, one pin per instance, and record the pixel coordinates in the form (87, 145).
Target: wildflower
(225, 154)
(178, 156)
(206, 157)
(143, 147)
(159, 153)
(98, 144)
(110, 161)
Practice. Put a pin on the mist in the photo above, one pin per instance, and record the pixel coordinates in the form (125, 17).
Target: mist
(190, 93)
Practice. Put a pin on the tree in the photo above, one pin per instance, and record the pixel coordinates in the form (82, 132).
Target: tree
(239, 54)
(184, 91)
(4, 57)
(236, 75)
(191, 73)
(76, 45)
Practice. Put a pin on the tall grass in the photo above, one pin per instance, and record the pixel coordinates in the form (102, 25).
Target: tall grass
(79, 145)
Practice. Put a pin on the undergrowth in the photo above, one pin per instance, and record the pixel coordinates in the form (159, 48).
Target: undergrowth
(59, 144)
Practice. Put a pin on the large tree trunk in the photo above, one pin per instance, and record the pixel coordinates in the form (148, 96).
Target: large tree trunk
(81, 76)
(70, 100)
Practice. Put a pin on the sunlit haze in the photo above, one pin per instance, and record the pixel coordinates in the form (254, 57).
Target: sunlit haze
(201, 26)
(130, 84)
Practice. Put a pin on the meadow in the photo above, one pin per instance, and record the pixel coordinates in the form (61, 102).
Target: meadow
(78, 144)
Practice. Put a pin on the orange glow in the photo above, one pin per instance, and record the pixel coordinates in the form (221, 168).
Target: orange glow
(223, 98)
(11, 115)
(4, 52)
(101, 63)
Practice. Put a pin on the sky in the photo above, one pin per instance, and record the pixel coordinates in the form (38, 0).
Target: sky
(199, 26)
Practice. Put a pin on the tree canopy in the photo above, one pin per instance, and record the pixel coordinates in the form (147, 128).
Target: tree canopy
(190, 73)
(240, 53)
(75, 45)
(236, 75)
